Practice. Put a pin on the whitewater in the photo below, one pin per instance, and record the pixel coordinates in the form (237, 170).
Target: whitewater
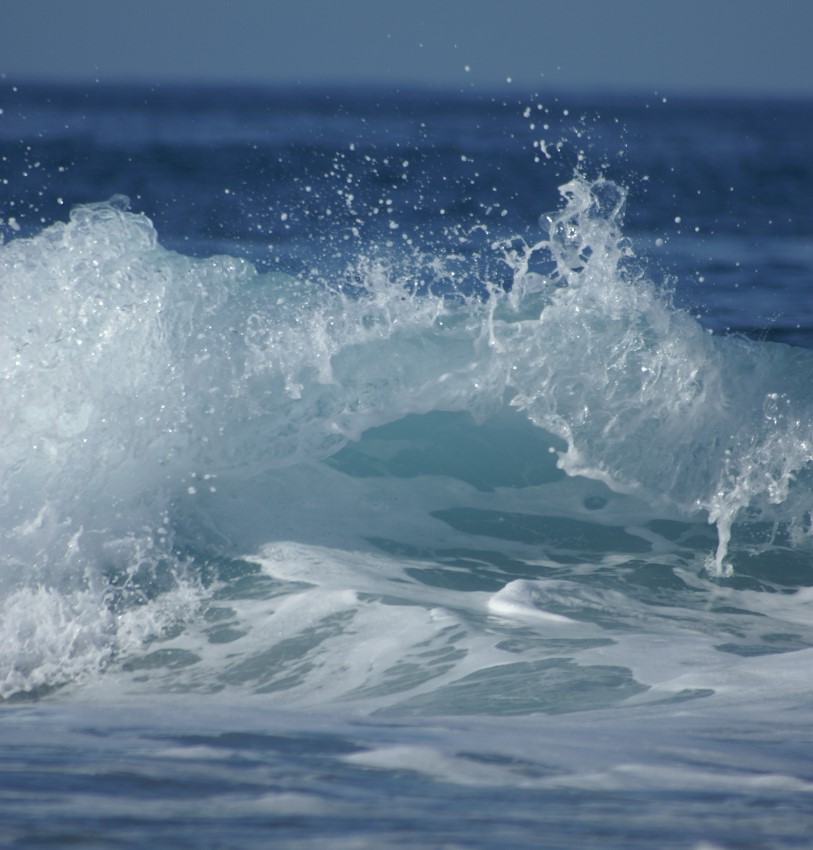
(414, 510)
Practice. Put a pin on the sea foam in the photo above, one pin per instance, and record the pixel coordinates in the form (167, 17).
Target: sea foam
(137, 380)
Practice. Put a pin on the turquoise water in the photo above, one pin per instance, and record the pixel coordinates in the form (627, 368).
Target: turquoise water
(414, 470)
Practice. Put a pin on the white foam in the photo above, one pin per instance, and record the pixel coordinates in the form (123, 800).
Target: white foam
(521, 600)
(146, 393)
(50, 637)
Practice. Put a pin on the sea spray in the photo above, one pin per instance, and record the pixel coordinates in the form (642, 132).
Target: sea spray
(307, 524)
(137, 382)
(646, 399)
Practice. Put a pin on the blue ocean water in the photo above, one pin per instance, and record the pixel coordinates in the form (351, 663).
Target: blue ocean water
(404, 469)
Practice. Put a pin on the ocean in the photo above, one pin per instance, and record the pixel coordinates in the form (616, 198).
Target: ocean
(417, 469)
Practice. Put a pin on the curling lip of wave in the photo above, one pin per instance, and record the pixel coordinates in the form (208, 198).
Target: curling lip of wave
(135, 378)
(130, 369)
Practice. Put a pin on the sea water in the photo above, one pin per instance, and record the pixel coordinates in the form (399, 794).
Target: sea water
(404, 469)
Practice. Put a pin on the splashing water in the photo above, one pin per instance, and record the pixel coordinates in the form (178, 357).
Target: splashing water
(136, 380)
(646, 399)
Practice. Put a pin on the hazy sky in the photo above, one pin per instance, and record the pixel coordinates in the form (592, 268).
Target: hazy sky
(760, 46)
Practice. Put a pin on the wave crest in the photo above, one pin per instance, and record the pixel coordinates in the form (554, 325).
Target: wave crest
(135, 377)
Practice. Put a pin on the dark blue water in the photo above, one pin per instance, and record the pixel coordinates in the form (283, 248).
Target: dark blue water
(217, 170)
(404, 469)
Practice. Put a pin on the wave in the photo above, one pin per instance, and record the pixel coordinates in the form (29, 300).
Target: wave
(139, 382)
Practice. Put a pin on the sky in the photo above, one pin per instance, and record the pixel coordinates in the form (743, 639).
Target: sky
(696, 46)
